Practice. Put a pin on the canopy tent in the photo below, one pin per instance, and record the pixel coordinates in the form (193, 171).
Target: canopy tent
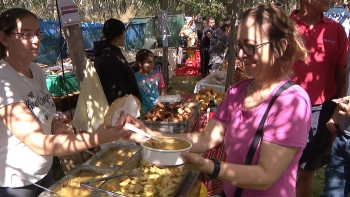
(49, 50)
(153, 30)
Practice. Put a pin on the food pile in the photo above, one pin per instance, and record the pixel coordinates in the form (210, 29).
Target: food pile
(72, 186)
(209, 93)
(170, 112)
(240, 72)
(223, 66)
(153, 182)
(115, 157)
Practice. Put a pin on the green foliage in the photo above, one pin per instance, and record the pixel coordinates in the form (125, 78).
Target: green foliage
(100, 10)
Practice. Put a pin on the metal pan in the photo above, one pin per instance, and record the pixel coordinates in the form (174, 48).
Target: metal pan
(174, 127)
(75, 173)
(184, 188)
(112, 150)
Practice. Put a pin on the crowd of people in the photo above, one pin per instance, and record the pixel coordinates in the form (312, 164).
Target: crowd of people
(290, 118)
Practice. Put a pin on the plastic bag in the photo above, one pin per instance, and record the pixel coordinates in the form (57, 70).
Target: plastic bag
(92, 104)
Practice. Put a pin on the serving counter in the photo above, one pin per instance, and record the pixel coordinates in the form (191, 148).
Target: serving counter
(80, 182)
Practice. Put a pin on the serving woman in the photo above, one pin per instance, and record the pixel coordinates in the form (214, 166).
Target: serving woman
(267, 44)
(28, 135)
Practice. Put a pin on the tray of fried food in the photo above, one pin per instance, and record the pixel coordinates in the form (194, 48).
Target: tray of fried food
(209, 93)
(152, 181)
(170, 112)
(117, 155)
(69, 185)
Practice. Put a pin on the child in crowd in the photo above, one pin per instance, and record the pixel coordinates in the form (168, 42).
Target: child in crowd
(150, 82)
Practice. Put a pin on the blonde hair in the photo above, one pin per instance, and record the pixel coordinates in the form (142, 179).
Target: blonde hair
(275, 25)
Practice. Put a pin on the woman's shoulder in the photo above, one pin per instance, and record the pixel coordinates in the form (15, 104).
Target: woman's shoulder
(293, 94)
(239, 86)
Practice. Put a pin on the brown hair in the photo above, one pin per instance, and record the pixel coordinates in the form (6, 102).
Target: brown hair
(275, 25)
(8, 22)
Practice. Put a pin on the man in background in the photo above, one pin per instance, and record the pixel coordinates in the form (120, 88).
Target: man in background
(340, 14)
(200, 32)
(204, 46)
(192, 23)
(337, 173)
(323, 77)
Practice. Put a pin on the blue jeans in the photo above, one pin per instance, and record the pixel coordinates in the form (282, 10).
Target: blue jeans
(337, 183)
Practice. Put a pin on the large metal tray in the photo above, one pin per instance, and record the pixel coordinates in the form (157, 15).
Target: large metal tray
(82, 168)
(174, 127)
(187, 186)
(113, 147)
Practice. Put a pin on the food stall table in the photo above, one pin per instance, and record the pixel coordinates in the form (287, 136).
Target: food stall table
(214, 187)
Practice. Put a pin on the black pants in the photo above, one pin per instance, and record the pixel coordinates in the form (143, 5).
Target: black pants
(204, 61)
(29, 190)
(313, 157)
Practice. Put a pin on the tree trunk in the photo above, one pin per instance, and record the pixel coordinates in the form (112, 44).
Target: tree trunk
(77, 52)
(230, 79)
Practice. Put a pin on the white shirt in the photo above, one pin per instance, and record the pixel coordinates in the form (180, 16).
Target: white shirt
(15, 156)
(341, 15)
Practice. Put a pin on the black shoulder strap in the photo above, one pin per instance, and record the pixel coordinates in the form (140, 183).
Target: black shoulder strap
(258, 134)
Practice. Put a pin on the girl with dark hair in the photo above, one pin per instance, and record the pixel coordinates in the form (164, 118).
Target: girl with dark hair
(29, 134)
(116, 76)
(150, 81)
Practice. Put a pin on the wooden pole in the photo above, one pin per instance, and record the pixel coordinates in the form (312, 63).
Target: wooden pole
(230, 79)
(165, 69)
(76, 48)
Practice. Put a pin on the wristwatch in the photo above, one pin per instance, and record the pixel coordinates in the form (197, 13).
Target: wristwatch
(216, 171)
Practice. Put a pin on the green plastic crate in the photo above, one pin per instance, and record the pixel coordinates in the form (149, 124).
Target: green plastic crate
(56, 85)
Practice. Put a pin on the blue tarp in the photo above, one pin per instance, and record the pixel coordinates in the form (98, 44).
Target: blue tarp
(49, 50)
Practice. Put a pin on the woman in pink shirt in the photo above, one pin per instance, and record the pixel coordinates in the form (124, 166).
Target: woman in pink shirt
(267, 44)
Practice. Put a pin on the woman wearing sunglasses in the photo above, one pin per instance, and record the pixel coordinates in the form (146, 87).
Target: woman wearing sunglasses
(267, 44)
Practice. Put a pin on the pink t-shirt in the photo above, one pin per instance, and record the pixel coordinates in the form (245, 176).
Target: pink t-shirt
(287, 124)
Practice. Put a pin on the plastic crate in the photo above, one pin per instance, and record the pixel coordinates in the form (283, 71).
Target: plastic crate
(57, 86)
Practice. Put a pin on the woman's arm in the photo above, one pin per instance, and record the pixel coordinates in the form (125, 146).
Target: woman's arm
(21, 122)
(274, 160)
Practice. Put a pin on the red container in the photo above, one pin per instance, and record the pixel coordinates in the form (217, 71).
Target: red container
(191, 72)
(197, 54)
(198, 64)
(180, 71)
(191, 64)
